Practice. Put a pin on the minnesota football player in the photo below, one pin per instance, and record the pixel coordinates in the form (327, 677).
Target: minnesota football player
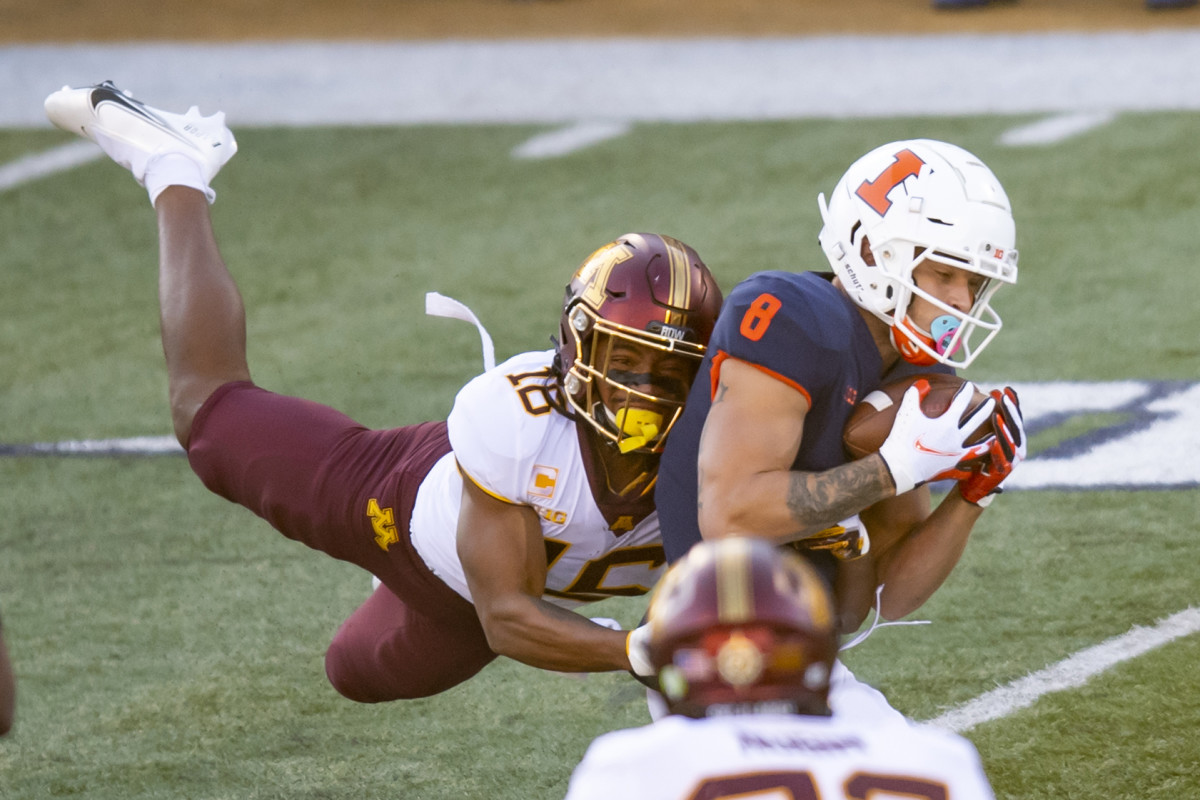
(743, 639)
(536, 494)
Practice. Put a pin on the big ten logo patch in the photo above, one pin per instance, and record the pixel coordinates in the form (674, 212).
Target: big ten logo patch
(544, 481)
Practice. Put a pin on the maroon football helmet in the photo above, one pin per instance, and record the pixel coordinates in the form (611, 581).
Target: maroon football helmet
(635, 325)
(741, 626)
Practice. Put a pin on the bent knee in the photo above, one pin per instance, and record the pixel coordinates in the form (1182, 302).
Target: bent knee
(363, 678)
(187, 395)
(376, 671)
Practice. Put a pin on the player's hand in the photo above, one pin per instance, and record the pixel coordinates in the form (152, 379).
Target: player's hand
(920, 449)
(847, 540)
(637, 648)
(1005, 451)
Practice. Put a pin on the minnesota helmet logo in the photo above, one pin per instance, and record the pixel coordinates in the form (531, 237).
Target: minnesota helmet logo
(597, 269)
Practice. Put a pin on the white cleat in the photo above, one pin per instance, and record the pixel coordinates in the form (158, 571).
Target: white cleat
(134, 134)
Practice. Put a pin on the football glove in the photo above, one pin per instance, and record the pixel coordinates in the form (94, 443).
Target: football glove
(1006, 449)
(637, 648)
(847, 540)
(920, 449)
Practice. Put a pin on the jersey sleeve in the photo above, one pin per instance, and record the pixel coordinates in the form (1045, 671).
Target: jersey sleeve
(777, 324)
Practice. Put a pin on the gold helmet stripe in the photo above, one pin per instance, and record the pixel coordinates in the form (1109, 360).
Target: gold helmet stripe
(735, 594)
(681, 280)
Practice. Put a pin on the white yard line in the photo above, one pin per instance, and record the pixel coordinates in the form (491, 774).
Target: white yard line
(133, 446)
(1056, 129)
(39, 165)
(570, 139)
(1069, 673)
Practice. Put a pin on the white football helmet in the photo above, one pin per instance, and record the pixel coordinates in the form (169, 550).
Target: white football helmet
(913, 201)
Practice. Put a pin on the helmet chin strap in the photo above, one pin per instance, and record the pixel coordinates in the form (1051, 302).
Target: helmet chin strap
(638, 427)
(905, 336)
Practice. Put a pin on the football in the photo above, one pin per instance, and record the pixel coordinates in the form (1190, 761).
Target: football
(871, 420)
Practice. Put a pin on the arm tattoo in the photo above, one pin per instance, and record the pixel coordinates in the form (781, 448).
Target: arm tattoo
(820, 497)
(719, 395)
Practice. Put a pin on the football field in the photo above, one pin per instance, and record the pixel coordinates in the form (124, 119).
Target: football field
(169, 645)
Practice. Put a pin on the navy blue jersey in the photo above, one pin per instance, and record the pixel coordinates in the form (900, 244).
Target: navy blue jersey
(800, 328)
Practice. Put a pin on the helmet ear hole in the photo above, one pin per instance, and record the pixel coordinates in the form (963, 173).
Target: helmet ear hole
(864, 252)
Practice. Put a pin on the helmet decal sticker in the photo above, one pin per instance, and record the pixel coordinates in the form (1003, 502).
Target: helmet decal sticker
(875, 193)
(598, 267)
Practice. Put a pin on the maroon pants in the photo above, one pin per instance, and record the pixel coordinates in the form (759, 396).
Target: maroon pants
(324, 480)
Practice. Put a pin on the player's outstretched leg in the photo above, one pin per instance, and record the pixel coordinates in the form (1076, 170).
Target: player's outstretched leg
(175, 156)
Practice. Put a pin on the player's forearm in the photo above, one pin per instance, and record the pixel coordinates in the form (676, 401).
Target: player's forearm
(921, 562)
(787, 505)
(545, 636)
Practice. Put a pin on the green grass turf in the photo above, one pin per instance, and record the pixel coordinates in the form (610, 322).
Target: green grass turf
(170, 645)
(1124, 730)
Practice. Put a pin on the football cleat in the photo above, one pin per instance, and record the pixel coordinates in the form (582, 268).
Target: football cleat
(133, 134)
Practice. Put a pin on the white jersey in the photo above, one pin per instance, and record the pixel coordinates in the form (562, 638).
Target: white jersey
(508, 439)
(778, 756)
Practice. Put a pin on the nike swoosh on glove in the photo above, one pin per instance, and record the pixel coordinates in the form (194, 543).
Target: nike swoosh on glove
(920, 449)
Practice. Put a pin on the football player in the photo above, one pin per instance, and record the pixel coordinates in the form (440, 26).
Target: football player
(743, 640)
(920, 236)
(485, 530)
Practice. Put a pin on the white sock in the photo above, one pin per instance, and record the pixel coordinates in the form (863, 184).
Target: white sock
(175, 169)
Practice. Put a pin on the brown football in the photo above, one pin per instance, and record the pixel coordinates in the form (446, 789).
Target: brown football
(871, 421)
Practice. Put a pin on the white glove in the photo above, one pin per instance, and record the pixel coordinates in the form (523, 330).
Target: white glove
(920, 449)
(637, 647)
